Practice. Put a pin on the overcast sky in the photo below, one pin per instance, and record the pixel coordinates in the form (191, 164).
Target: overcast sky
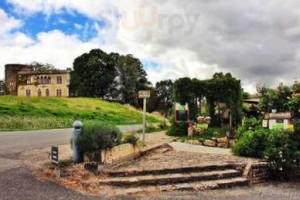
(258, 41)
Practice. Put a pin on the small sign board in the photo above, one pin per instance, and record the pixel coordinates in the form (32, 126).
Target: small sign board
(54, 155)
(144, 94)
(286, 115)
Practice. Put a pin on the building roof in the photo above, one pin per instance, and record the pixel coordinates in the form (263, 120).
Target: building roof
(251, 100)
(44, 72)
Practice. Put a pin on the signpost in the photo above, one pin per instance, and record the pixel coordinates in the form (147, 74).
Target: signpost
(144, 94)
(54, 155)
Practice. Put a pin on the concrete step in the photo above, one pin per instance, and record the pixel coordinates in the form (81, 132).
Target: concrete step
(173, 178)
(189, 169)
(205, 185)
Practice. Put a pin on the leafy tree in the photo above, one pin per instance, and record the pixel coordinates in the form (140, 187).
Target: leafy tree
(94, 74)
(278, 99)
(132, 78)
(40, 67)
(164, 92)
(246, 95)
(296, 87)
(2, 87)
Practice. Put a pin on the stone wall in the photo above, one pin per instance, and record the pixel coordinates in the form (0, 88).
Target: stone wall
(257, 172)
(11, 76)
(115, 154)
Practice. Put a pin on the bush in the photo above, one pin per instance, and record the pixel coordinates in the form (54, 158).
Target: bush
(283, 154)
(178, 129)
(249, 124)
(216, 132)
(98, 136)
(131, 139)
(252, 143)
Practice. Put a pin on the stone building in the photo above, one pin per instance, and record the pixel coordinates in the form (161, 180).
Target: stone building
(23, 80)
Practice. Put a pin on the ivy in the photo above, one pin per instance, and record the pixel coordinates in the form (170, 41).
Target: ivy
(220, 89)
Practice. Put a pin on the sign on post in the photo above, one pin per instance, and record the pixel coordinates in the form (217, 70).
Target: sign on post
(54, 155)
(144, 94)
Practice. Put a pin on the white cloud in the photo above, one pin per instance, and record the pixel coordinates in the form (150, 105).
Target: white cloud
(52, 47)
(257, 41)
(8, 23)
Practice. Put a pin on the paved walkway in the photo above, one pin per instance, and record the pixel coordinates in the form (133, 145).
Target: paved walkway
(178, 146)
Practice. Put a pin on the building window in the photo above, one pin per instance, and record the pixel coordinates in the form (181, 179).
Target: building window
(58, 93)
(39, 92)
(49, 80)
(42, 80)
(28, 80)
(47, 93)
(58, 80)
(28, 93)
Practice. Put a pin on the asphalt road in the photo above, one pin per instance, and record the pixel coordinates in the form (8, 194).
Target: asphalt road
(14, 142)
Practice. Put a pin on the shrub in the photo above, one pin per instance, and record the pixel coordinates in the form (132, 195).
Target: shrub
(216, 131)
(252, 143)
(132, 139)
(97, 136)
(283, 154)
(178, 129)
(249, 124)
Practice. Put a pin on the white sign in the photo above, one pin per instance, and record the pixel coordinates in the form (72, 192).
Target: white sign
(144, 94)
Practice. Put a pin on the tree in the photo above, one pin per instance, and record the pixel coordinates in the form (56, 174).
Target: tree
(2, 87)
(132, 78)
(278, 99)
(164, 92)
(94, 75)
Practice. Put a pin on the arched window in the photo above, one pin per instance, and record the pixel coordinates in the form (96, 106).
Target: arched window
(39, 92)
(42, 80)
(49, 80)
(58, 80)
(47, 93)
(38, 80)
(28, 93)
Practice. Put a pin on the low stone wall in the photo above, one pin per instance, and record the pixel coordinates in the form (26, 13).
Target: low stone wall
(115, 154)
(257, 172)
(261, 173)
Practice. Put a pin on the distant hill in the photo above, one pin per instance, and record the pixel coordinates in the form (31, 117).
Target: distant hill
(21, 113)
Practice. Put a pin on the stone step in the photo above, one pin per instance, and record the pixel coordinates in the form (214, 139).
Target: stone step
(166, 179)
(189, 169)
(205, 185)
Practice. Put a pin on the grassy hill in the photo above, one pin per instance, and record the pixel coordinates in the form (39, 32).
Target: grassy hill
(21, 113)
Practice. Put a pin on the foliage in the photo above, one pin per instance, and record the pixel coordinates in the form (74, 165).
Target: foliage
(220, 89)
(178, 129)
(131, 139)
(164, 92)
(94, 74)
(283, 154)
(131, 76)
(184, 93)
(2, 87)
(252, 143)
(21, 113)
(294, 105)
(246, 95)
(64, 163)
(98, 136)
(249, 124)
(216, 132)
(274, 99)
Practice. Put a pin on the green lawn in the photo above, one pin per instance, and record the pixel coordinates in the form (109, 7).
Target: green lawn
(21, 113)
